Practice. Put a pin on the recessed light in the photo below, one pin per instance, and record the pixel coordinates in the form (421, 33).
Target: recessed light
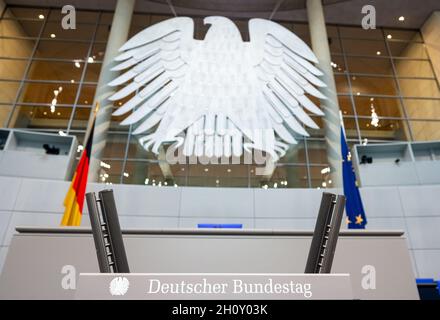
(389, 36)
(358, 93)
(72, 81)
(378, 53)
(77, 64)
(45, 113)
(206, 169)
(401, 18)
(41, 17)
(53, 35)
(229, 170)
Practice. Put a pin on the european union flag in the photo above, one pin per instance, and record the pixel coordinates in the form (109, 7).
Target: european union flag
(356, 218)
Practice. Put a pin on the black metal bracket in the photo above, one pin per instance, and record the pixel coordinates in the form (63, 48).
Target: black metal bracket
(107, 234)
(325, 236)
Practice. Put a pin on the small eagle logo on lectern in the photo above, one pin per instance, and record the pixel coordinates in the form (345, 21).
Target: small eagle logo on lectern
(119, 286)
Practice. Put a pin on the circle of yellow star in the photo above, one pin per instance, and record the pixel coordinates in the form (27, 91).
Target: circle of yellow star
(359, 219)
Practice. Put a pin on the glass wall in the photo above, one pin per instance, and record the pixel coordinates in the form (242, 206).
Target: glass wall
(385, 82)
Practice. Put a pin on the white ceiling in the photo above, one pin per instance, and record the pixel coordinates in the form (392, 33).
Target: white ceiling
(336, 11)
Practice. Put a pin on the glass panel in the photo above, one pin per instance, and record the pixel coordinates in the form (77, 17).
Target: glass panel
(80, 118)
(320, 178)
(115, 146)
(28, 13)
(339, 66)
(87, 94)
(384, 107)
(345, 105)
(19, 28)
(408, 50)
(414, 68)
(342, 84)
(8, 91)
(52, 70)
(285, 176)
(41, 117)
(92, 72)
(425, 130)
(386, 129)
(4, 115)
(44, 93)
(360, 33)
(295, 154)
(370, 65)
(102, 33)
(98, 51)
(419, 88)
(364, 47)
(16, 48)
(350, 128)
(62, 50)
(422, 108)
(335, 45)
(142, 172)
(399, 34)
(317, 151)
(111, 174)
(373, 85)
(12, 69)
(218, 175)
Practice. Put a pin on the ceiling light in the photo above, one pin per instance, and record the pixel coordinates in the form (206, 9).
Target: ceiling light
(389, 36)
(72, 81)
(378, 53)
(401, 18)
(146, 181)
(229, 170)
(58, 113)
(41, 17)
(358, 93)
(45, 113)
(53, 35)
(90, 60)
(61, 133)
(77, 64)
(206, 169)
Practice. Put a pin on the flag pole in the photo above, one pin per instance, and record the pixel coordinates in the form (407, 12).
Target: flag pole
(90, 123)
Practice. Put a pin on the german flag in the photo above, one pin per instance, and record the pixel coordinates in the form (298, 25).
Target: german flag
(74, 200)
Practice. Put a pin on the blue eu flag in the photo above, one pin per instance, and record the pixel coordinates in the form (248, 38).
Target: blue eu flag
(353, 206)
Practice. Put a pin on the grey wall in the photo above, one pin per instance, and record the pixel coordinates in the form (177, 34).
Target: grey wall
(414, 209)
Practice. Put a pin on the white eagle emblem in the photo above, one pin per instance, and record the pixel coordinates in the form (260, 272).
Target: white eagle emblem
(218, 96)
(119, 286)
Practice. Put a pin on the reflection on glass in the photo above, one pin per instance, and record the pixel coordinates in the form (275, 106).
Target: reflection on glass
(62, 50)
(408, 50)
(52, 70)
(361, 85)
(383, 129)
(44, 93)
(419, 88)
(422, 108)
(385, 107)
(40, 117)
(115, 145)
(425, 130)
(370, 65)
(364, 47)
(413, 68)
